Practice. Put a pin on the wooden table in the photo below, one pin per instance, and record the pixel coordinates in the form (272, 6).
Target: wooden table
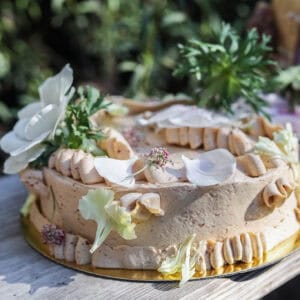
(25, 274)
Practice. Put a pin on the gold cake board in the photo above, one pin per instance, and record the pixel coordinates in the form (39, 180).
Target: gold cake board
(33, 238)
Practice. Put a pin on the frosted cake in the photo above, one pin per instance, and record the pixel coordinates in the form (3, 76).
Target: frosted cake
(170, 187)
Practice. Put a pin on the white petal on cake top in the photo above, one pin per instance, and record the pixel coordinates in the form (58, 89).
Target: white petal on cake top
(210, 167)
(116, 171)
(199, 118)
(166, 114)
(186, 116)
(38, 121)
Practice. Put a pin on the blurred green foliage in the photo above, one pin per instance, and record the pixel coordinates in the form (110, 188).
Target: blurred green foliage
(127, 47)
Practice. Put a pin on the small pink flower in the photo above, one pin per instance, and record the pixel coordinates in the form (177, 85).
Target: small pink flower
(158, 156)
(52, 235)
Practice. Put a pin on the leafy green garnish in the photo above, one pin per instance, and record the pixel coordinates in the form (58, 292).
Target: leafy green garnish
(227, 70)
(77, 131)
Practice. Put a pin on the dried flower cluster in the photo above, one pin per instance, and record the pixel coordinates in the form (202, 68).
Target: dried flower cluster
(158, 156)
(52, 235)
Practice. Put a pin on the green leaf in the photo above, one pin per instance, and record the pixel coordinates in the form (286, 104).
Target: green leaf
(290, 76)
(31, 198)
(77, 131)
(227, 70)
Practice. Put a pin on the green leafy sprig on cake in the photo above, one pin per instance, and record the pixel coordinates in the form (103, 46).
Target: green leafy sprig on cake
(230, 69)
(77, 131)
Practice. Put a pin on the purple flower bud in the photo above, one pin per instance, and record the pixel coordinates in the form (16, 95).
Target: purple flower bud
(158, 156)
(52, 235)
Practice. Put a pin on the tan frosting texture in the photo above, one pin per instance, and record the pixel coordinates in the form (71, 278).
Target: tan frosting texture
(237, 220)
(215, 212)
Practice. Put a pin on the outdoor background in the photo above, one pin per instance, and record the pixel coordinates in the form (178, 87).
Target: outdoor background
(123, 47)
(120, 46)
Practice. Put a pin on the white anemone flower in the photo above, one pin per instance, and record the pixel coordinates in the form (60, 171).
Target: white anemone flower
(37, 122)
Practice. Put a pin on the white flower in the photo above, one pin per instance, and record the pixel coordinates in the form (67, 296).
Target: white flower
(37, 122)
(210, 168)
(116, 171)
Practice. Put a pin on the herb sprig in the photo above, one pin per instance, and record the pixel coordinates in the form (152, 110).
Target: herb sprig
(227, 70)
(77, 130)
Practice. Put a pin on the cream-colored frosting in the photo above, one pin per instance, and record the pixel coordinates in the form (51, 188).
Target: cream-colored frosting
(260, 126)
(141, 206)
(233, 221)
(215, 212)
(211, 254)
(234, 140)
(76, 164)
(252, 165)
(276, 192)
(116, 145)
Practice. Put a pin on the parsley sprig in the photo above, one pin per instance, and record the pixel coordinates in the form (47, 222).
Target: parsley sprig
(77, 131)
(231, 68)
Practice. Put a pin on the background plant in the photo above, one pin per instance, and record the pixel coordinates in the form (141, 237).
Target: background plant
(231, 68)
(124, 46)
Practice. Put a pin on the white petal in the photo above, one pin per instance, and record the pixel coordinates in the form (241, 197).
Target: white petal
(19, 128)
(166, 124)
(210, 168)
(116, 171)
(29, 110)
(11, 143)
(199, 118)
(62, 109)
(54, 88)
(15, 164)
(43, 121)
(166, 114)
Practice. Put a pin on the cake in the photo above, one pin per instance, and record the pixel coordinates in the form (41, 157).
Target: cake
(174, 188)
